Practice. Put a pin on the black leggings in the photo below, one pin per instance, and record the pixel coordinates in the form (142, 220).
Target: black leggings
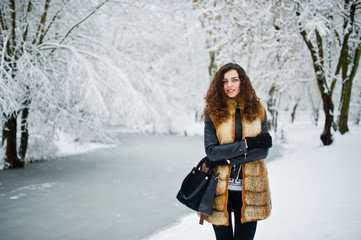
(242, 231)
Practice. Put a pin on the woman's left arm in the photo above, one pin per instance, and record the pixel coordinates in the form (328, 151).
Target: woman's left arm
(218, 153)
(254, 153)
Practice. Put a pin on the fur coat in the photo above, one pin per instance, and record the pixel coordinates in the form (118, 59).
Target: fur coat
(256, 195)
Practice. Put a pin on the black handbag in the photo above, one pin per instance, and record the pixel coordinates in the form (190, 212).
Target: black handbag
(198, 189)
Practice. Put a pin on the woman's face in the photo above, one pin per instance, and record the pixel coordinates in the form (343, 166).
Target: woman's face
(231, 83)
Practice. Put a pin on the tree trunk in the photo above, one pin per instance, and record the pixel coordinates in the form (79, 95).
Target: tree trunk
(326, 136)
(315, 116)
(24, 134)
(358, 113)
(3, 136)
(10, 136)
(348, 58)
(293, 114)
(346, 93)
(212, 69)
(325, 91)
(271, 106)
(342, 122)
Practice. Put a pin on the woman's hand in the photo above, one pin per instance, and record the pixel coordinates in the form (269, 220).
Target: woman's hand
(204, 167)
(262, 140)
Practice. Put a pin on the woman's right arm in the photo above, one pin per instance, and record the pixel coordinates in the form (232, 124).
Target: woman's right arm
(217, 152)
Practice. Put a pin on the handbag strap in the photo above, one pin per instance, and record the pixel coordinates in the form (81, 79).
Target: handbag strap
(238, 125)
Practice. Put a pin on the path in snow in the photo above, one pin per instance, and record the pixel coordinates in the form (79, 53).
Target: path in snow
(315, 191)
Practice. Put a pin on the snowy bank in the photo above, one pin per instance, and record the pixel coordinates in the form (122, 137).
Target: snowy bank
(66, 146)
(315, 191)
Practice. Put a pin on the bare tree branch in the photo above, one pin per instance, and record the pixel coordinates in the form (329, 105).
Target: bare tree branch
(54, 18)
(316, 66)
(83, 20)
(42, 22)
(320, 59)
(13, 23)
(25, 35)
(2, 23)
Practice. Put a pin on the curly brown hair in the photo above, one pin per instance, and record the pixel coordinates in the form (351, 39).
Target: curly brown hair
(217, 100)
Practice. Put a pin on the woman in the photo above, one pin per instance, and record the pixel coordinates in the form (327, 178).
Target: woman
(236, 141)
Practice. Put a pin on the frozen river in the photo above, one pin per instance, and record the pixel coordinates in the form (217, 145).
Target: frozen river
(125, 192)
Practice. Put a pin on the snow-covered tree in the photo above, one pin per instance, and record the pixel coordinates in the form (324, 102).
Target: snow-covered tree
(331, 31)
(268, 38)
(36, 47)
(77, 67)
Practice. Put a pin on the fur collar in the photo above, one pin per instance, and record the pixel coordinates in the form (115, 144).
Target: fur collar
(219, 116)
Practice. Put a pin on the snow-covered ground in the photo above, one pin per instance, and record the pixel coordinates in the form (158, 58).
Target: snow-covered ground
(316, 191)
(128, 191)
